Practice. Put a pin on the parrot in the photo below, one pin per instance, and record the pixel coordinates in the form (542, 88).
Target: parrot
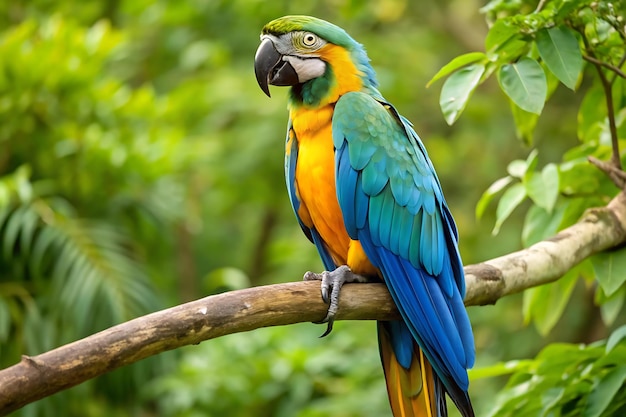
(366, 194)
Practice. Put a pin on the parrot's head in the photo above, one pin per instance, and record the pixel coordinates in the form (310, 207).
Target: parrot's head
(315, 57)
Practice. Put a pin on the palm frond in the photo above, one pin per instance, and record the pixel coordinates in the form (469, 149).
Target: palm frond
(87, 267)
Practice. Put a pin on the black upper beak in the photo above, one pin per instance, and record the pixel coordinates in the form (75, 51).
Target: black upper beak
(271, 68)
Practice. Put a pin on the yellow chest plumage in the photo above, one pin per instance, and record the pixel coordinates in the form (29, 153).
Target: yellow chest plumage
(315, 185)
(315, 167)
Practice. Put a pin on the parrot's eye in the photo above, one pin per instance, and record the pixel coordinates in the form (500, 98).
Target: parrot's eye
(309, 39)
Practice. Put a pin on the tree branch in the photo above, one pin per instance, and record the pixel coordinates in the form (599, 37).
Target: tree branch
(607, 86)
(615, 68)
(238, 311)
(616, 174)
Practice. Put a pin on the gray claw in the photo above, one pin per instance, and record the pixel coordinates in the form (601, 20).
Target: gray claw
(331, 283)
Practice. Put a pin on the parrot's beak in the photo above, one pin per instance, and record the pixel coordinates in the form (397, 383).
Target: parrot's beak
(270, 67)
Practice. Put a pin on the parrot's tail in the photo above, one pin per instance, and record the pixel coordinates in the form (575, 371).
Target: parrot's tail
(413, 388)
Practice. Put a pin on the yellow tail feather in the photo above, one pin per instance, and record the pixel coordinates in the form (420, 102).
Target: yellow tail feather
(411, 391)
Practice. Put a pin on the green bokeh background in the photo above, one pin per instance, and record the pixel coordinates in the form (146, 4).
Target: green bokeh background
(138, 125)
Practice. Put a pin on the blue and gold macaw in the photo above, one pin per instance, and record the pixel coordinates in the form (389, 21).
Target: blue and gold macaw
(366, 194)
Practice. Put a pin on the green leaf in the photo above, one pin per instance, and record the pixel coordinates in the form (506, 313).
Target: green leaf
(592, 115)
(543, 188)
(499, 369)
(610, 307)
(616, 356)
(509, 201)
(610, 269)
(503, 41)
(600, 398)
(225, 279)
(517, 168)
(532, 160)
(525, 123)
(488, 195)
(456, 63)
(550, 399)
(14, 225)
(457, 90)
(578, 177)
(616, 337)
(546, 303)
(5, 321)
(539, 224)
(559, 49)
(525, 83)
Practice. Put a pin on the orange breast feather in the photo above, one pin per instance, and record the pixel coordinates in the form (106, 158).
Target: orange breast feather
(315, 182)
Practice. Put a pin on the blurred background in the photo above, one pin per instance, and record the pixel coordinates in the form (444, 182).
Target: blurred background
(142, 167)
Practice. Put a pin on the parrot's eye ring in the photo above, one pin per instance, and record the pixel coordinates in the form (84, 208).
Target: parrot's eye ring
(309, 39)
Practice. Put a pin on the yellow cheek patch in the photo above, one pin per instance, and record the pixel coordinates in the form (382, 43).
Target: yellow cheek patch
(348, 77)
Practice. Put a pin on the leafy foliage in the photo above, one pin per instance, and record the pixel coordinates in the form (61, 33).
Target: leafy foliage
(526, 51)
(579, 44)
(566, 380)
(286, 377)
(141, 167)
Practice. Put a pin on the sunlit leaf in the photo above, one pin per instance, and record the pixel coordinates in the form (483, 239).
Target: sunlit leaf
(501, 31)
(531, 161)
(610, 307)
(543, 188)
(502, 42)
(498, 369)
(457, 90)
(559, 49)
(23, 185)
(616, 337)
(540, 224)
(578, 177)
(550, 399)
(490, 193)
(600, 398)
(525, 123)
(610, 269)
(456, 63)
(546, 303)
(517, 168)
(525, 83)
(225, 279)
(511, 198)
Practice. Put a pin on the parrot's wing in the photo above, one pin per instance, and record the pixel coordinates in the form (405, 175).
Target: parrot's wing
(291, 159)
(392, 202)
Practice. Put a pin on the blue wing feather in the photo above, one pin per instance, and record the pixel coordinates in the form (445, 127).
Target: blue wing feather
(397, 211)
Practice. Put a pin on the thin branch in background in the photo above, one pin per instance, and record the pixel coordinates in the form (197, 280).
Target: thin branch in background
(540, 6)
(619, 66)
(617, 175)
(616, 69)
(608, 94)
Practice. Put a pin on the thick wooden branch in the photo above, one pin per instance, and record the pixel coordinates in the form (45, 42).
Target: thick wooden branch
(599, 230)
(39, 376)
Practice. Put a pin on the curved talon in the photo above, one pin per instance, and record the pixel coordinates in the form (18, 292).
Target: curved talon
(329, 328)
(325, 286)
(331, 283)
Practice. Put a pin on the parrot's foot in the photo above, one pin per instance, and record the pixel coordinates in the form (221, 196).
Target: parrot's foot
(332, 281)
